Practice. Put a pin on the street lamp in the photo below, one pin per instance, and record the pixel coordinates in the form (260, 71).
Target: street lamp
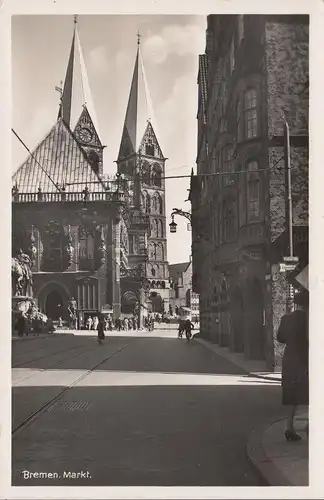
(173, 226)
(177, 211)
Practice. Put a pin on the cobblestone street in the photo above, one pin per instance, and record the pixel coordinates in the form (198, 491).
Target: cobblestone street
(142, 409)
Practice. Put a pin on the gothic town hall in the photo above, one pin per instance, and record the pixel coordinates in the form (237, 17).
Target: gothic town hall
(100, 241)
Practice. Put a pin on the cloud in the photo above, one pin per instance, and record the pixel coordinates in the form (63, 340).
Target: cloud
(174, 39)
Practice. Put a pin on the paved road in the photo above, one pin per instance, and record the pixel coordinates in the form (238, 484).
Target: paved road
(144, 409)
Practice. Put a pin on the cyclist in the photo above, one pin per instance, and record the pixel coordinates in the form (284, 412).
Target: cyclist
(188, 326)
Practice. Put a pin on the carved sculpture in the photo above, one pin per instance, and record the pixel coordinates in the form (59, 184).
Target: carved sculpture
(21, 274)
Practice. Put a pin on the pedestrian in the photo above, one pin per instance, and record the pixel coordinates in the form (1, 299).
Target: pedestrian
(95, 322)
(293, 332)
(89, 322)
(101, 330)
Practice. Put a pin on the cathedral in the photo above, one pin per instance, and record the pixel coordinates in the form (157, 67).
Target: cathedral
(92, 239)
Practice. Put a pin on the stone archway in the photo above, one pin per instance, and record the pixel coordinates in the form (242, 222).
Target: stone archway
(128, 302)
(53, 300)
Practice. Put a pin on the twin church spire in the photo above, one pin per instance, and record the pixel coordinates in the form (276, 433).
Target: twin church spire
(76, 95)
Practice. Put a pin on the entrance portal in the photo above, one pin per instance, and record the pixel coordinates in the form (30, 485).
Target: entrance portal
(54, 305)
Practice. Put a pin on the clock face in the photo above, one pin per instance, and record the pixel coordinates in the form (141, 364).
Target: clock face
(85, 134)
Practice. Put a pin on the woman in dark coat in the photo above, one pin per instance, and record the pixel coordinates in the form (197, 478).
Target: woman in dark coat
(293, 332)
(101, 330)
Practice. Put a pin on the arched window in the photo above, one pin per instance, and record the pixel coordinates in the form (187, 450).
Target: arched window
(152, 251)
(154, 228)
(159, 229)
(146, 173)
(253, 191)
(145, 201)
(160, 204)
(157, 175)
(250, 114)
(159, 251)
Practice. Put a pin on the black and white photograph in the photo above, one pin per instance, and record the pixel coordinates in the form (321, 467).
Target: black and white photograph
(160, 250)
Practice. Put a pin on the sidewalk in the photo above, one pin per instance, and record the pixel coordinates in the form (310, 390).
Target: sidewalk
(276, 461)
(252, 367)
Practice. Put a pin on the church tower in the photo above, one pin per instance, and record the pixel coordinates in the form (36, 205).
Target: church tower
(77, 108)
(142, 162)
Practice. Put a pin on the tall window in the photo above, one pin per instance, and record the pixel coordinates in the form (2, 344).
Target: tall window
(145, 201)
(253, 191)
(152, 251)
(227, 164)
(250, 114)
(146, 173)
(159, 226)
(159, 251)
(157, 175)
(154, 228)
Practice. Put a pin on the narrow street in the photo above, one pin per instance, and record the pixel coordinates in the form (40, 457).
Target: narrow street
(142, 409)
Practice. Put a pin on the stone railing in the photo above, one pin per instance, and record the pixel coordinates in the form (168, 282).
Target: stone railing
(58, 197)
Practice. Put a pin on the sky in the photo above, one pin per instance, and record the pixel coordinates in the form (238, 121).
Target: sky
(170, 46)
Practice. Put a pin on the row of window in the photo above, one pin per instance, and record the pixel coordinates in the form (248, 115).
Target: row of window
(156, 251)
(226, 221)
(157, 228)
(151, 175)
(156, 271)
(152, 204)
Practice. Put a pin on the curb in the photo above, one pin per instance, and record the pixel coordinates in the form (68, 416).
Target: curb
(262, 465)
(205, 343)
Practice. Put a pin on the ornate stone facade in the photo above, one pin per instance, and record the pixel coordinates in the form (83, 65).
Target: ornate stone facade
(256, 71)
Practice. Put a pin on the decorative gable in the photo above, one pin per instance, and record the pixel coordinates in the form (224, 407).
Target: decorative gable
(85, 132)
(149, 145)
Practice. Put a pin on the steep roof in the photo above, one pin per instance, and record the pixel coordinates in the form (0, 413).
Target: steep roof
(175, 270)
(64, 161)
(139, 112)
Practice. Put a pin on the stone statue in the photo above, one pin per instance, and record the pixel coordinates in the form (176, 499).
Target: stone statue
(21, 273)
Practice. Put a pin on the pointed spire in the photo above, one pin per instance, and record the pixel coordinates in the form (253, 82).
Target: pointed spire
(139, 112)
(66, 97)
(76, 90)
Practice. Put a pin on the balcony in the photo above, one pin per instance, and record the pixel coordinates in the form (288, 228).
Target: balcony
(66, 197)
